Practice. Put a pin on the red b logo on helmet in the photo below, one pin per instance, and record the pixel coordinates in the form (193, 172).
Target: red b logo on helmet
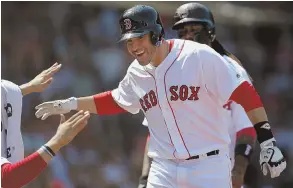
(127, 24)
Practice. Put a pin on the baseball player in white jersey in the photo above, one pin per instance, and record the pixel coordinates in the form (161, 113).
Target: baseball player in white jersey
(235, 117)
(11, 107)
(195, 22)
(17, 171)
(11, 138)
(181, 87)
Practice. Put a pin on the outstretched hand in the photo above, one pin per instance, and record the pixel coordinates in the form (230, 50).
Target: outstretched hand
(47, 109)
(44, 79)
(68, 129)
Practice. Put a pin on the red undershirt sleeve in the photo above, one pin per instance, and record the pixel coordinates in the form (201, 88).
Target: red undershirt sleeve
(106, 105)
(21, 173)
(246, 96)
(249, 131)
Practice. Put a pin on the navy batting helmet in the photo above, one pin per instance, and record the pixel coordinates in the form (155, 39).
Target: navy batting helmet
(141, 20)
(194, 13)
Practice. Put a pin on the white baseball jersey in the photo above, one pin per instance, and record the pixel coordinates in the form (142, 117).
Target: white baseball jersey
(12, 149)
(237, 118)
(182, 100)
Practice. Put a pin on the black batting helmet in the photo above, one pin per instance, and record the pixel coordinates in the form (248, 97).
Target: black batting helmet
(194, 13)
(141, 20)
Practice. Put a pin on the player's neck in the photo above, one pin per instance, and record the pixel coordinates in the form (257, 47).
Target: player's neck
(161, 53)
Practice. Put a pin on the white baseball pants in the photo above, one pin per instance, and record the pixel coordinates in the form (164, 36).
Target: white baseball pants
(208, 172)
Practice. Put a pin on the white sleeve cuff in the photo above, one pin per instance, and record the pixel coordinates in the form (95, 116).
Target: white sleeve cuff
(4, 161)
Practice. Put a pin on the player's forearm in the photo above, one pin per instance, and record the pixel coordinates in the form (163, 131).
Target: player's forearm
(145, 166)
(248, 98)
(257, 115)
(86, 104)
(239, 169)
(146, 160)
(26, 89)
(102, 103)
(245, 140)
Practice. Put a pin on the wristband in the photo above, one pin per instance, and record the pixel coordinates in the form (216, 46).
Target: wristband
(48, 150)
(263, 131)
(244, 150)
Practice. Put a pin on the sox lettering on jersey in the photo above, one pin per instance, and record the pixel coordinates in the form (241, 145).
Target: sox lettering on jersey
(184, 93)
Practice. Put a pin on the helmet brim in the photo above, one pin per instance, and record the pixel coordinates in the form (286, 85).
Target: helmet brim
(131, 35)
(178, 24)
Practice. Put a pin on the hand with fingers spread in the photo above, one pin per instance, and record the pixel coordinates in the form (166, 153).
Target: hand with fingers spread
(67, 130)
(41, 81)
(16, 174)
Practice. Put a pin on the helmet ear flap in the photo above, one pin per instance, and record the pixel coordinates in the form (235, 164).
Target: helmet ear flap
(155, 38)
(157, 34)
(161, 28)
(212, 34)
(213, 37)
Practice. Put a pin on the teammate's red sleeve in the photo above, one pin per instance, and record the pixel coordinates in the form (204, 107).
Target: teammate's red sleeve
(21, 173)
(250, 131)
(106, 105)
(246, 96)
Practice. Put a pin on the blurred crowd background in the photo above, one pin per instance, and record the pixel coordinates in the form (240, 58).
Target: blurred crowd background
(82, 36)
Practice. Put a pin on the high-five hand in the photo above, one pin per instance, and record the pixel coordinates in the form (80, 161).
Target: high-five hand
(41, 81)
(67, 130)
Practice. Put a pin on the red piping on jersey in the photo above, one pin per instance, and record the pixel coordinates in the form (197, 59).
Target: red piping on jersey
(170, 47)
(171, 44)
(148, 138)
(161, 111)
(169, 102)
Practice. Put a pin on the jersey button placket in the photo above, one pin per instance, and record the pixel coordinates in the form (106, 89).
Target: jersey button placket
(161, 99)
(166, 111)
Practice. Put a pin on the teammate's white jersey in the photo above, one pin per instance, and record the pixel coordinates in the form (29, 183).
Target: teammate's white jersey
(237, 118)
(182, 100)
(12, 149)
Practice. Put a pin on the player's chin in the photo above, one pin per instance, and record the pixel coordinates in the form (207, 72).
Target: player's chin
(143, 61)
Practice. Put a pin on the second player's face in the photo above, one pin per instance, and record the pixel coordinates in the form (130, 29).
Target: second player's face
(141, 48)
(189, 31)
